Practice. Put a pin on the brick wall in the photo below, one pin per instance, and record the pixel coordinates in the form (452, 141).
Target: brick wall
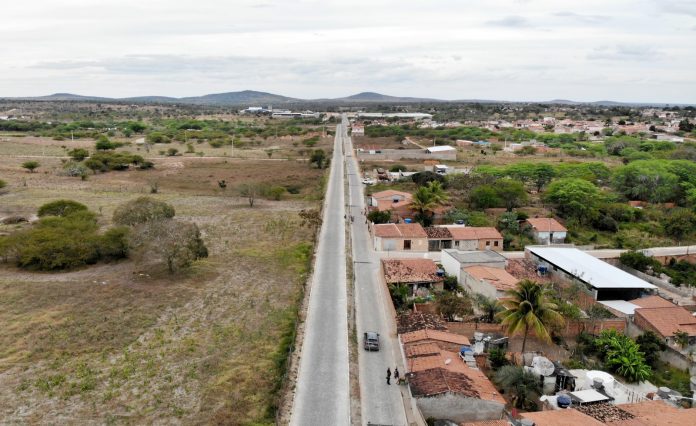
(571, 329)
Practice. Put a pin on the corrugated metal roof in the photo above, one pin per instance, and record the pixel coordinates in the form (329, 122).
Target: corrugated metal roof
(588, 268)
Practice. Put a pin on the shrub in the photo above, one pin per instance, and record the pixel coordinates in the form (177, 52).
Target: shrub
(639, 261)
(64, 242)
(398, 168)
(78, 154)
(2, 184)
(61, 208)
(141, 210)
(377, 216)
(157, 137)
(104, 144)
(31, 165)
(171, 152)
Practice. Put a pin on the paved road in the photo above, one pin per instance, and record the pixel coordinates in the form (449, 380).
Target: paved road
(380, 403)
(322, 395)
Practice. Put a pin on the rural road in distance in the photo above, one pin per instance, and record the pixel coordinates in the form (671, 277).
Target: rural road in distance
(380, 403)
(322, 394)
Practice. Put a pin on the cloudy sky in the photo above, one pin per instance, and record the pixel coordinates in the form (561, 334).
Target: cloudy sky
(624, 50)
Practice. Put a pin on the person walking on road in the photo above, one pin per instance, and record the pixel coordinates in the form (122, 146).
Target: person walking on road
(396, 375)
(388, 376)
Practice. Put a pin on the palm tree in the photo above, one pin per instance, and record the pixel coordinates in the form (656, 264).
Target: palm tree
(439, 195)
(423, 201)
(529, 307)
(523, 386)
(488, 306)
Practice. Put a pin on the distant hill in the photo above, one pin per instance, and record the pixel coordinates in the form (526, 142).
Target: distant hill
(378, 97)
(239, 98)
(255, 98)
(70, 97)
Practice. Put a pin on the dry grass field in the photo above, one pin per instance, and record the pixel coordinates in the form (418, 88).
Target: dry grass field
(121, 343)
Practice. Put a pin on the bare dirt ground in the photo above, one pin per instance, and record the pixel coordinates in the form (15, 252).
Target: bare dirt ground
(124, 343)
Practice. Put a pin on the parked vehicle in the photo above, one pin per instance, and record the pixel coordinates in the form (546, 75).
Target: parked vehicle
(371, 341)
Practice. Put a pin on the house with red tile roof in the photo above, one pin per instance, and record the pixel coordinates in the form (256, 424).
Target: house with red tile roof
(396, 202)
(547, 230)
(487, 281)
(400, 237)
(475, 238)
(665, 321)
(415, 273)
(567, 417)
(418, 341)
(444, 387)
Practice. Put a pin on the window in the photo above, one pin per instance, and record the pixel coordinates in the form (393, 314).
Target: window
(495, 243)
(488, 243)
(407, 244)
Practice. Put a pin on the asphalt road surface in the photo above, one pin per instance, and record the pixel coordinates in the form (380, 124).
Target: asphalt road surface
(322, 394)
(380, 403)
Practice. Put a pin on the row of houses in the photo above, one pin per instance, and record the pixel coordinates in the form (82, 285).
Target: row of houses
(442, 383)
(413, 237)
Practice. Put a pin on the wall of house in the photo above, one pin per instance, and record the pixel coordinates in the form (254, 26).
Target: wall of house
(543, 237)
(451, 265)
(459, 408)
(466, 245)
(407, 154)
(490, 245)
(397, 244)
(478, 286)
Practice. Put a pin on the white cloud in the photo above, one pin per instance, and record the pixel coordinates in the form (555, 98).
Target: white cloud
(455, 49)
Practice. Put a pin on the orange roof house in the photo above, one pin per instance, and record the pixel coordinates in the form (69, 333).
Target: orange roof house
(665, 321)
(547, 230)
(416, 273)
(400, 237)
(475, 238)
(490, 282)
(445, 387)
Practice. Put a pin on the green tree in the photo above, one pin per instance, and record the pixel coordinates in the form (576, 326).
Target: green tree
(679, 223)
(78, 154)
(484, 197)
(681, 338)
(95, 165)
(622, 355)
(508, 222)
(488, 306)
(511, 192)
(103, 144)
(423, 202)
(377, 216)
(651, 345)
(452, 305)
(574, 198)
(647, 180)
(174, 243)
(31, 165)
(542, 174)
(318, 157)
(424, 178)
(523, 386)
(529, 307)
(438, 193)
(141, 210)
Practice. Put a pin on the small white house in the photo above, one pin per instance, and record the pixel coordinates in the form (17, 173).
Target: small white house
(547, 230)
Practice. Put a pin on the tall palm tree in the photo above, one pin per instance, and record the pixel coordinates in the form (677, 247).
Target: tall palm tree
(423, 201)
(438, 193)
(529, 307)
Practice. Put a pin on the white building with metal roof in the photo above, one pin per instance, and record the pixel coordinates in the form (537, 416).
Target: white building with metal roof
(606, 282)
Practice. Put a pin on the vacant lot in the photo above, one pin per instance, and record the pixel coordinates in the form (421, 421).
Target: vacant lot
(122, 343)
